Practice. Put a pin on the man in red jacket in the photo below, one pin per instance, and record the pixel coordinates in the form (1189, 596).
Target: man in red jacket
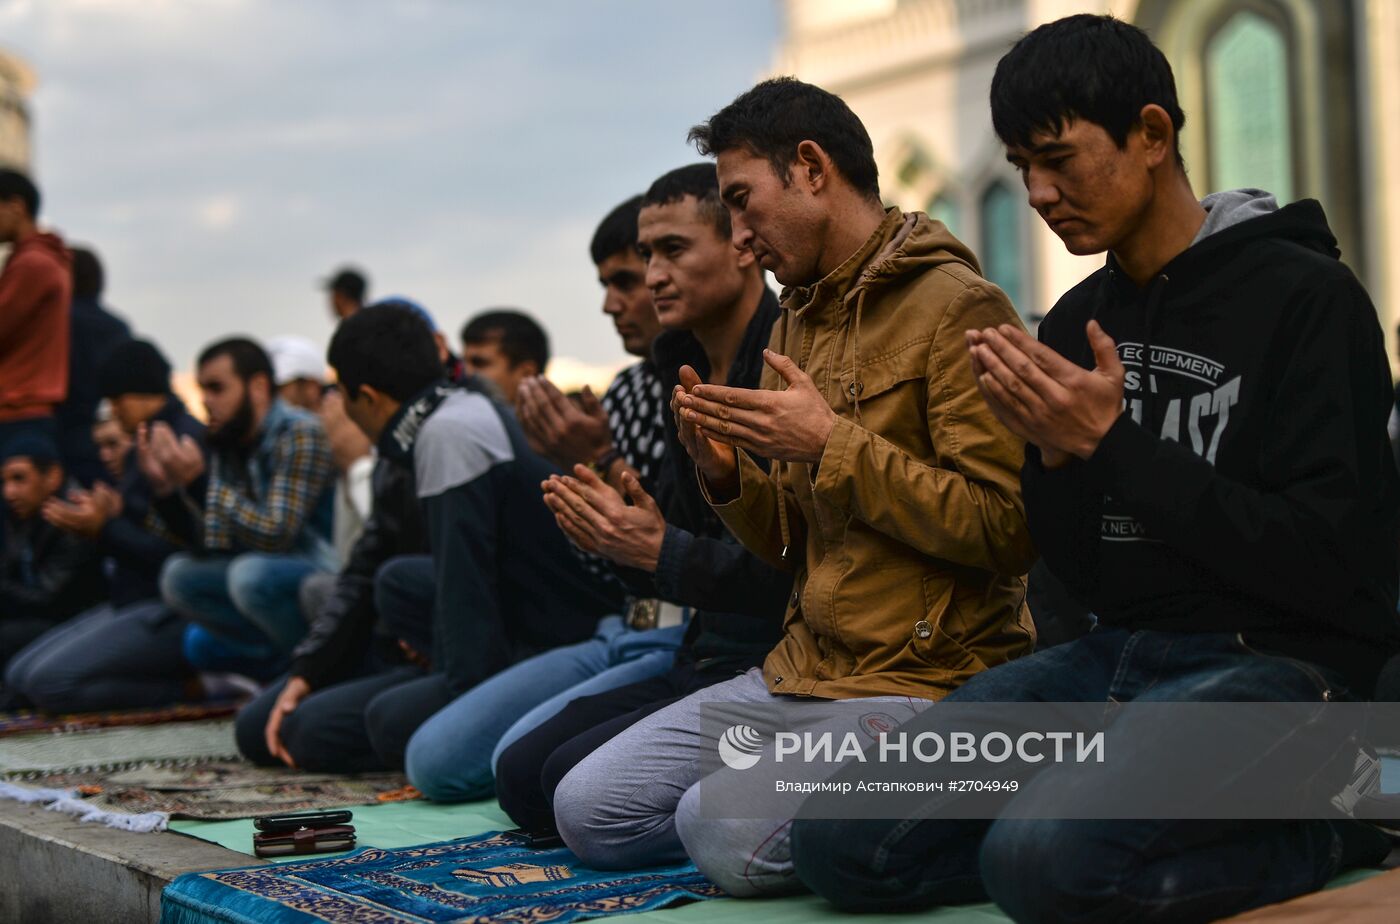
(35, 288)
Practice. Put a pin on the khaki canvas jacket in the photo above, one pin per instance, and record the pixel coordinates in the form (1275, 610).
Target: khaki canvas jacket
(908, 540)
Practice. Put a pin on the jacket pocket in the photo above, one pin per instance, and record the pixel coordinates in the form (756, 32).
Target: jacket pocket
(877, 375)
(935, 636)
(1326, 690)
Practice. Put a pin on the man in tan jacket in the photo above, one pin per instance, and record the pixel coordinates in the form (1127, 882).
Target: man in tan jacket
(894, 494)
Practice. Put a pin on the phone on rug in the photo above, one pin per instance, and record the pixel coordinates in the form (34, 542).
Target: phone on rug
(302, 841)
(539, 840)
(293, 820)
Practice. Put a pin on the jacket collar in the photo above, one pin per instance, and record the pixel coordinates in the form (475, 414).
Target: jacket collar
(278, 416)
(273, 423)
(172, 410)
(834, 285)
(676, 348)
(401, 433)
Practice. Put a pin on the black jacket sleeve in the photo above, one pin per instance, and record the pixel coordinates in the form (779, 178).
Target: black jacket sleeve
(711, 574)
(65, 575)
(469, 637)
(135, 547)
(341, 632)
(1063, 511)
(181, 511)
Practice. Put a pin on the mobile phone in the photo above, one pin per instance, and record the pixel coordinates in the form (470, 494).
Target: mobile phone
(335, 839)
(294, 820)
(537, 839)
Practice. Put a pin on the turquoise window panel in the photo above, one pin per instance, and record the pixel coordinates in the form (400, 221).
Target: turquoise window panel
(1003, 252)
(1249, 106)
(943, 209)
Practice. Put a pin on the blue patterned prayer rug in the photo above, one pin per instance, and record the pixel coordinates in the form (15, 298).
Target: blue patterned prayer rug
(474, 879)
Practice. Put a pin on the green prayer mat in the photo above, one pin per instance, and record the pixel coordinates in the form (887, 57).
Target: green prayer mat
(405, 824)
(387, 825)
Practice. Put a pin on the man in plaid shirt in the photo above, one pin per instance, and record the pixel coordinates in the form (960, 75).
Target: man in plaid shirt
(262, 522)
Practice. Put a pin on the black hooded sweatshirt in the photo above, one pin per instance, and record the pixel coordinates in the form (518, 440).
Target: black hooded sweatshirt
(1249, 487)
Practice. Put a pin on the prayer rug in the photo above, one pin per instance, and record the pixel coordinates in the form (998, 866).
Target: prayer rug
(15, 723)
(477, 879)
(39, 754)
(214, 790)
(411, 823)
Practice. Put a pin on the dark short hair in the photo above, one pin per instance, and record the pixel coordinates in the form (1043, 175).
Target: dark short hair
(133, 367)
(617, 232)
(777, 115)
(520, 336)
(387, 347)
(248, 358)
(39, 448)
(88, 277)
(1089, 67)
(14, 184)
(699, 181)
(349, 282)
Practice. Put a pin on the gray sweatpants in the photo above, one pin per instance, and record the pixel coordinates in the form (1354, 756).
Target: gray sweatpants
(634, 802)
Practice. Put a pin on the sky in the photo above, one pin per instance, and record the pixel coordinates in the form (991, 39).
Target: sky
(223, 156)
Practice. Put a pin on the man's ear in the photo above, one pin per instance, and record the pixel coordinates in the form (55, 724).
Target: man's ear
(260, 386)
(1158, 135)
(53, 478)
(370, 395)
(813, 166)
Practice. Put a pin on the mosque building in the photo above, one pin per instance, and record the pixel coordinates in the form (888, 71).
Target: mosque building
(1299, 97)
(16, 85)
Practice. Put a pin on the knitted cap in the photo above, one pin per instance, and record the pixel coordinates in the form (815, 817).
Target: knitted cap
(134, 367)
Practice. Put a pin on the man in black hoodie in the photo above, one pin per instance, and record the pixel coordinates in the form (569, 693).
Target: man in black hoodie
(1207, 469)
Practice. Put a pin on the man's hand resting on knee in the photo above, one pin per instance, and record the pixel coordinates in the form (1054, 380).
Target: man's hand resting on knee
(291, 696)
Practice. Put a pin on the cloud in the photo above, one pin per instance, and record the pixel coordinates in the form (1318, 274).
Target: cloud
(217, 213)
(461, 152)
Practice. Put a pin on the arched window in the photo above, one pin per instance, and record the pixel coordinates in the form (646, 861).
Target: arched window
(1001, 253)
(914, 166)
(1250, 116)
(941, 208)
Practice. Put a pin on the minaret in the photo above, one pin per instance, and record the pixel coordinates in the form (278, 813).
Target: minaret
(16, 84)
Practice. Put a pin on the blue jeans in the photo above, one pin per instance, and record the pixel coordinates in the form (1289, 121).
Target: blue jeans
(1087, 871)
(452, 756)
(245, 609)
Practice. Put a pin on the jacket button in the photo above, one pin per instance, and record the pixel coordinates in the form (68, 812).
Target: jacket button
(796, 598)
(922, 629)
(855, 388)
(777, 680)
